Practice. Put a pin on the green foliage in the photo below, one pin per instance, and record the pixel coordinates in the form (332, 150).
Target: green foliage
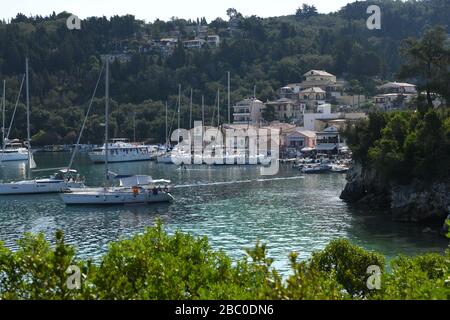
(349, 263)
(427, 60)
(268, 53)
(403, 146)
(423, 277)
(155, 265)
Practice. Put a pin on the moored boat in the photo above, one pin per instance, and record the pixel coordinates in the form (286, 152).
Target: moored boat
(59, 182)
(121, 150)
(319, 168)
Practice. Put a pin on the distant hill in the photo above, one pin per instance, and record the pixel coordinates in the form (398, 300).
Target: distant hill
(268, 53)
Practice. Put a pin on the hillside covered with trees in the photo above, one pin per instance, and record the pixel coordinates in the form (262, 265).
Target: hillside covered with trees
(267, 53)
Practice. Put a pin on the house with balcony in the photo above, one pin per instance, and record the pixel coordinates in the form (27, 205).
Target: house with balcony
(287, 109)
(312, 97)
(299, 139)
(194, 44)
(394, 95)
(328, 141)
(248, 111)
(166, 46)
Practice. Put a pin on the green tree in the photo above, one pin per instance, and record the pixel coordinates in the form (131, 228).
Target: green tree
(269, 113)
(428, 60)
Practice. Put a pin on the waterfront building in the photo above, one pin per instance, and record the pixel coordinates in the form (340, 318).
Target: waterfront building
(248, 111)
(299, 139)
(328, 141)
(287, 109)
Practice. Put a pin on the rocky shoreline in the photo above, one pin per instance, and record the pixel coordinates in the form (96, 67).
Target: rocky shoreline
(416, 202)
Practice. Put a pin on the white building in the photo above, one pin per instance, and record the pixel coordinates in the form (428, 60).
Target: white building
(328, 141)
(248, 111)
(194, 44)
(213, 40)
(394, 95)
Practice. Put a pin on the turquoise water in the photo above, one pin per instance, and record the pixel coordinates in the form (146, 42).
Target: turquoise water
(233, 206)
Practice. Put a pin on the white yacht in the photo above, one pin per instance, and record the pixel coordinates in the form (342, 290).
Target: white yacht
(14, 151)
(59, 182)
(121, 150)
(131, 190)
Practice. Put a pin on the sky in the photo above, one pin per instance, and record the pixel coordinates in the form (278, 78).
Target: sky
(149, 10)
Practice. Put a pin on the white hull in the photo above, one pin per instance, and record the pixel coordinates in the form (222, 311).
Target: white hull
(37, 186)
(113, 196)
(100, 157)
(14, 156)
(164, 159)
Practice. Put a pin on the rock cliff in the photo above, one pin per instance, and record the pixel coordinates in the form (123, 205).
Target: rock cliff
(415, 202)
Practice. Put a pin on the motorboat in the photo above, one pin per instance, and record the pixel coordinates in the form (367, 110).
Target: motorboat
(59, 182)
(339, 168)
(318, 168)
(121, 150)
(14, 151)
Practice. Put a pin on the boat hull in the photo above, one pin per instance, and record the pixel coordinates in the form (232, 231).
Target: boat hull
(16, 156)
(105, 197)
(100, 158)
(164, 159)
(37, 187)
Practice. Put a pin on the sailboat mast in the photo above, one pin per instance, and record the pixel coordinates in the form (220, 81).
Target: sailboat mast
(134, 126)
(3, 115)
(167, 133)
(218, 108)
(229, 99)
(203, 110)
(28, 117)
(179, 107)
(106, 120)
(190, 112)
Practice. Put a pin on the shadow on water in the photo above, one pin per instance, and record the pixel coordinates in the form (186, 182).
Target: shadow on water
(375, 230)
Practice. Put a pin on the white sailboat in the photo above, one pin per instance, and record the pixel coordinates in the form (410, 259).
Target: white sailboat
(60, 181)
(12, 150)
(165, 157)
(125, 193)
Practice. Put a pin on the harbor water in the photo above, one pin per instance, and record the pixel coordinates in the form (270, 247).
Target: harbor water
(234, 206)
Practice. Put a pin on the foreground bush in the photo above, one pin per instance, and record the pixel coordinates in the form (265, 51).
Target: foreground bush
(156, 265)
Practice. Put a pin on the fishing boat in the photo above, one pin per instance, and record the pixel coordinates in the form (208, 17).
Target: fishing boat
(137, 190)
(121, 150)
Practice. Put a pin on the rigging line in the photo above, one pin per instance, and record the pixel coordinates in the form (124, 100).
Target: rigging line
(15, 108)
(85, 119)
(171, 124)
